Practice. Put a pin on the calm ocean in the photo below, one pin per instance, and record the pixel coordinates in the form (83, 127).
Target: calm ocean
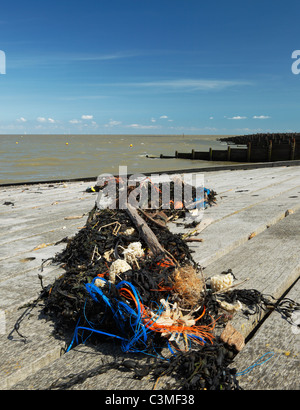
(27, 158)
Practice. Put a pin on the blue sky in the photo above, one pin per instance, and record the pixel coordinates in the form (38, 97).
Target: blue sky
(149, 67)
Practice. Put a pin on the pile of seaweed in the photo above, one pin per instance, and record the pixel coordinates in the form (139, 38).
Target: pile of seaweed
(103, 240)
(91, 253)
(129, 278)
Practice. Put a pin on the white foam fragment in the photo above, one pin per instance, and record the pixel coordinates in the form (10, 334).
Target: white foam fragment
(133, 251)
(231, 307)
(118, 266)
(221, 282)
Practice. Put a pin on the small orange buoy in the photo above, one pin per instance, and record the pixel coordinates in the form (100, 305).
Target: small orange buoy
(131, 145)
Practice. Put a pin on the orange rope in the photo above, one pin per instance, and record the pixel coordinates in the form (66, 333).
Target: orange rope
(165, 263)
(204, 310)
(203, 331)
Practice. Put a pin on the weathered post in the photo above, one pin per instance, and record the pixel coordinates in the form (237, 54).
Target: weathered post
(249, 152)
(293, 148)
(270, 151)
(228, 153)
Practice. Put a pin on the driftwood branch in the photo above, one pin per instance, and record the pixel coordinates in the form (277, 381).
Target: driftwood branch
(193, 239)
(160, 224)
(145, 231)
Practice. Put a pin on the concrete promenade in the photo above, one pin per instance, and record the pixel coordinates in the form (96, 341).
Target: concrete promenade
(254, 230)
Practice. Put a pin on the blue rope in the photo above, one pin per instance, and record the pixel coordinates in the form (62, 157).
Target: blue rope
(126, 318)
(259, 362)
(203, 203)
(72, 342)
(121, 314)
(171, 350)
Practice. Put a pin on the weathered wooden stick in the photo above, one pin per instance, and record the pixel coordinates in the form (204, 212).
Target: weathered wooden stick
(160, 224)
(193, 239)
(145, 231)
(69, 218)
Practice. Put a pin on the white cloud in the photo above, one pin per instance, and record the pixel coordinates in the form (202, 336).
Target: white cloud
(87, 117)
(70, 58)
(103, 57)
(41, 119)
(142, 127)
(74, 121)
(21, 119)
(183, 84)
(211, 118)
(113, 123)
(261, 117)
(163, 117)
(153, 120)
(238, 117)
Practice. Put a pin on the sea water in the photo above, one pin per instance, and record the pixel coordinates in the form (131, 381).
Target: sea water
(29, 158)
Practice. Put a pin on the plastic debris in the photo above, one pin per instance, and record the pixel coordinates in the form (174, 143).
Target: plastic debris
(221, 282)
(116, 287)
(118, 266)
(133, 251)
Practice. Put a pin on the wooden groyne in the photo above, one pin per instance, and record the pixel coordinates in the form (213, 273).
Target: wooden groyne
(250, 148)
(263, 139)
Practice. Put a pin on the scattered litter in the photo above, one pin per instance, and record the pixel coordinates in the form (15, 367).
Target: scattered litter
(24, 260)
(189, 285)
(133, 251)
(118, 266)
(231, 307)
(232, 337)
(129, 232)
(42, 246)
(221, 282)
(288, 212)
(131, 281)
(68, 218)
(258, 362)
